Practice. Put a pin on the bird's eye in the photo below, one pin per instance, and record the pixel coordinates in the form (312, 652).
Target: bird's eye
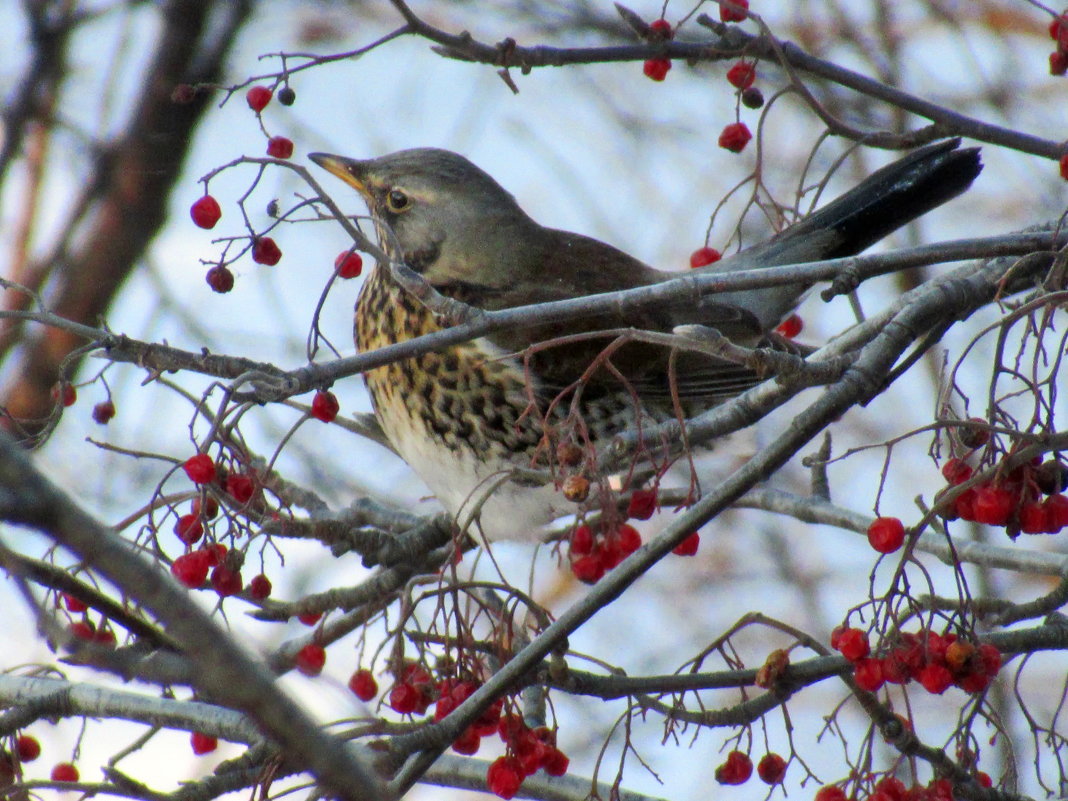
(397, 200)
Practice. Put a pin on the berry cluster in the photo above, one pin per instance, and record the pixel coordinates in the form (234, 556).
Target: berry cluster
(1013, 498)
(594, 554)
(890, 788)
(936, 661)
(206, 211)
(737, 768)
(736, 136)
(84, 629)
(26, 748)
(526, 750)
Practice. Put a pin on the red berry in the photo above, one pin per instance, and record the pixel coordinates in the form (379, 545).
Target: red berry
(220, 279)
(363, 685)
(310, 618)
(1058, 31)
(581, 541)
(279, 147)
(588, 569)
(414, 673)
(64, 393)
(529, 751)
(444, 707)
(974, 683)
(703, 256)
(191, 569)
(642, 504)
(742, 74)
(200, 468)
(984, 779)
(1056, 507)
(404, 698)
(831, 792)
(103, 412)
(203, 743)
(990, 658)
(610, 554)
(936, 679)
(74, 604)
(733, 10)
(905, 661)
(790, 327)
(1033, 518)
(1064, 166)
(662, 28)
(226, 581)
(189, 528)
(27, 748)
(886, 534)
(688, 547)
(836, 635)
(64, 772)
(486, 723)
(214, 553)
(468, 742)
(555, 762)
(735, 137)
(510, 726)
(258, 97)
(965, 504)
(266, 251)
(205, 212)
(260, 587)
(82, 630)
(504, 777)
(956, 471)
(310, 659)
(105, 637)
(736, 769)
(853, 644)
(868, 674)
(628, 539)
(657, 68)
(348, 264)
(993, 505)
(324, 406)
(240, 487)
(1058, 62)
(771, 769)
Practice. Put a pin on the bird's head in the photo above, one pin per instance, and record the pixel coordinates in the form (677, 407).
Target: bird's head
(436, 210)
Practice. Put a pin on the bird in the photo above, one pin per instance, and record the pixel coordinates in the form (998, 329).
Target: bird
(469, 418)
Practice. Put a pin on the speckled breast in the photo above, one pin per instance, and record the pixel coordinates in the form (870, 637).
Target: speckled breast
(464, 398)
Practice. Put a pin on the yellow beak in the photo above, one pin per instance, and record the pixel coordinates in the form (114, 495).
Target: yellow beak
(351, 171)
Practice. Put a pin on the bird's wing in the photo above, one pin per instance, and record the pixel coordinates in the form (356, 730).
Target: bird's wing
(560, 353)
